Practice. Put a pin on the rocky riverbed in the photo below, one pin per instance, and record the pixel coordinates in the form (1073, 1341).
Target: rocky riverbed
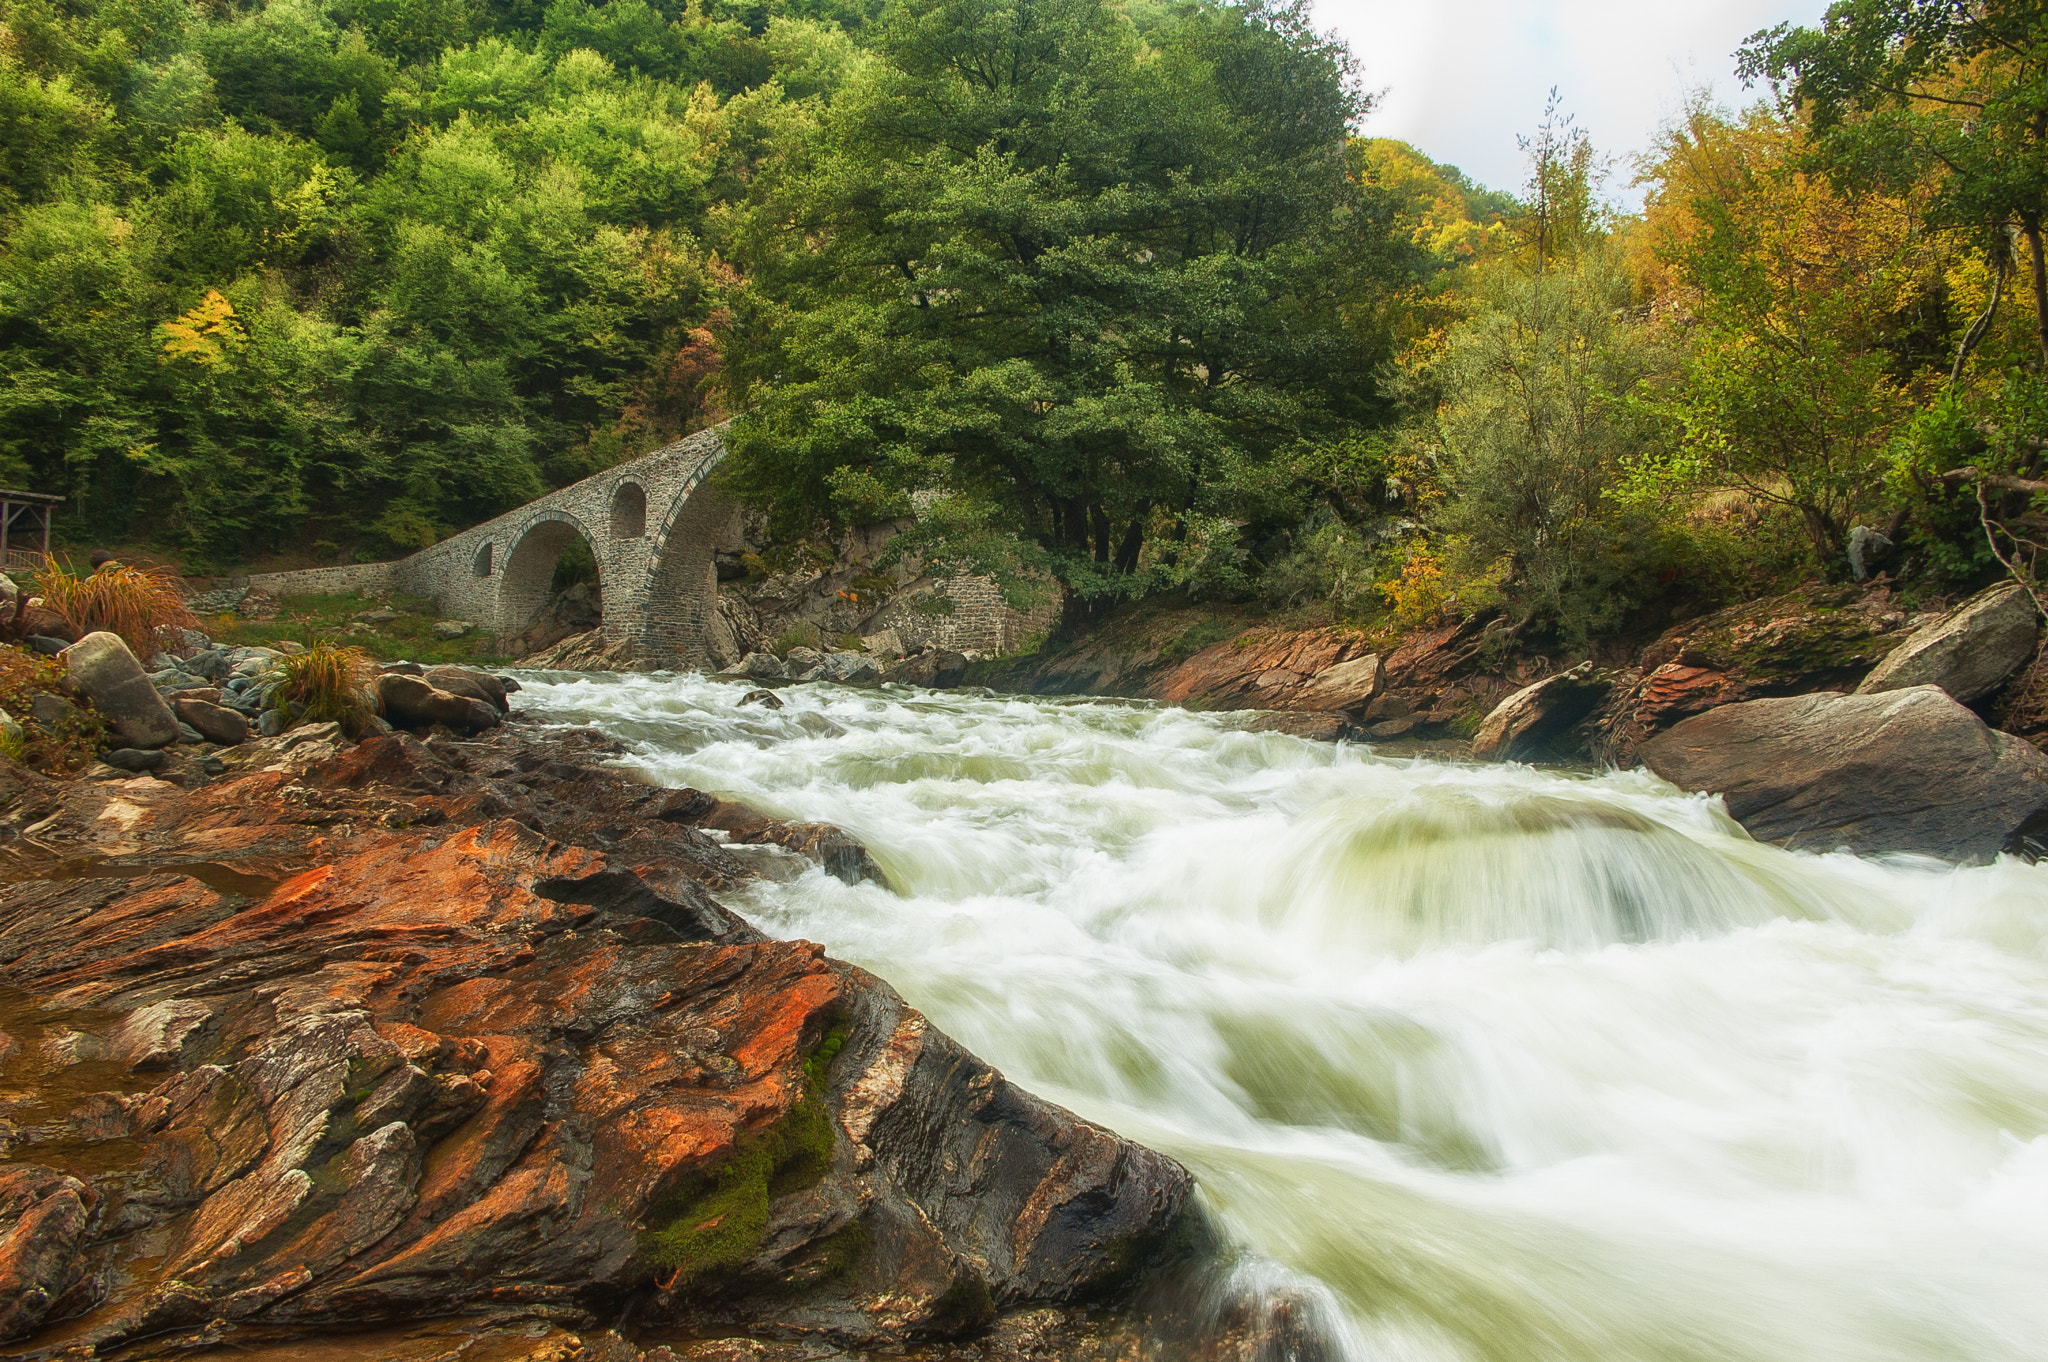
(452, 1041)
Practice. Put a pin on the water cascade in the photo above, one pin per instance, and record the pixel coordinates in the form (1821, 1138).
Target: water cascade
(1473, 1064)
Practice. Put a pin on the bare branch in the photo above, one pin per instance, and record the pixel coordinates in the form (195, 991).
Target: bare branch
(1972, 473)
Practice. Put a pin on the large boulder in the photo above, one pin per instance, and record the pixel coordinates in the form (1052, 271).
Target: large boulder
(412, 702)
(212, 722)
(1906, 770)
(104, 670)
(1969, 652)
(477, 685)
(1531, 723)
(1342, 686)
(764, 667)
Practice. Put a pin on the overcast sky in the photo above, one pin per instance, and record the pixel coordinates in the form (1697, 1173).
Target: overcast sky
(1462, 78)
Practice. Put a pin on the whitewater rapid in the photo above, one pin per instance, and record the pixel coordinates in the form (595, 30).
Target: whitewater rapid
(1473, 1064)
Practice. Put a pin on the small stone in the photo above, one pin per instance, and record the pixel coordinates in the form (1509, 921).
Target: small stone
(766, 699)
(44, 644)
(402, 669)
(213, 765)
(271, 724)
(189, 734)
(305, 733)
(511, 686)
(381, 615)
(133, 759)
(451, 628)
(51, 712)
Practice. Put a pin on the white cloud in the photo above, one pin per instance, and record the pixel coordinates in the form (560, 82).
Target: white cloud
(1461, 80)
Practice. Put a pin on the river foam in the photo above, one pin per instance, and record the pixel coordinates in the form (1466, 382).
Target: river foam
(1476, 1064)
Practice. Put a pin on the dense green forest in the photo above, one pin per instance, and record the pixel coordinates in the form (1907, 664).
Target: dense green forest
(1108, 293)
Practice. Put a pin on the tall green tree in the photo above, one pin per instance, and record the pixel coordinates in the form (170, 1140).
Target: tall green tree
(1063, 292)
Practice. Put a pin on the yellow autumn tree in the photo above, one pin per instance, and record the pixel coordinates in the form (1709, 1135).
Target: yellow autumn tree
(1809, 319)
(205, 334)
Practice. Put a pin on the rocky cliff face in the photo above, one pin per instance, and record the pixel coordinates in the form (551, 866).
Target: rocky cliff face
(459, 1029)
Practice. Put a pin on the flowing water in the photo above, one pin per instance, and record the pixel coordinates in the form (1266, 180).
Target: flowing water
(1473, 1064)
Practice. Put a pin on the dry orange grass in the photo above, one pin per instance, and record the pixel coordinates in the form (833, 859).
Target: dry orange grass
(326, 682)
(142, 605)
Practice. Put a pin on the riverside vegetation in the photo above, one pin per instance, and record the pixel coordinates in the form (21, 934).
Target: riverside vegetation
(1105, 295)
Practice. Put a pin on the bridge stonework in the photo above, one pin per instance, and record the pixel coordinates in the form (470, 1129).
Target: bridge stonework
(653, 526)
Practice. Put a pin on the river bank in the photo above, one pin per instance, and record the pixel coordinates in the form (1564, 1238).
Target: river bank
(342, 1035)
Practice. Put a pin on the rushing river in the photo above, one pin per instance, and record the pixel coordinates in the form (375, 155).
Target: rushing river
(1472, 1063)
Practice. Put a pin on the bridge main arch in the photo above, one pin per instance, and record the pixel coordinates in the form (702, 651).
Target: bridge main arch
(526, 582)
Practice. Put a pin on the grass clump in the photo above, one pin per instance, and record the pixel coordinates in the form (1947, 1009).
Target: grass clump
(801, 635)
(327, 683)
(143, 605)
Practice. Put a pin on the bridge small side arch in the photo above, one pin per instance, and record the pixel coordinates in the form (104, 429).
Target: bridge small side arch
(527, 578)
(629, 511)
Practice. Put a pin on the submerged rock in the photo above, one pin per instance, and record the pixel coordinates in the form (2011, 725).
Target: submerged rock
(1907, 770)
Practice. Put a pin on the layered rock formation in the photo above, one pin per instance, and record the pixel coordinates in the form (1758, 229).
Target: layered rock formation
(343, 1038)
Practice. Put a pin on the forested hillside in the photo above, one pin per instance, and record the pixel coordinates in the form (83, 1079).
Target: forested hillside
(1112, 294)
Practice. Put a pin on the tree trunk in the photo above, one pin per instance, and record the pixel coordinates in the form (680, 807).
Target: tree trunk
(1100, 519)
(1134, 540)
(1982, 324)
(2032, 228)
(1077, 523)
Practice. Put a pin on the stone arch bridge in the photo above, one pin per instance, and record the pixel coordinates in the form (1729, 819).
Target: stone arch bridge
(653, 525)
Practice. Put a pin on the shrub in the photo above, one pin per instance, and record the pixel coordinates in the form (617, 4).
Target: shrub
(74, 739)
(326, 683)
(142, 605)
(801, 635)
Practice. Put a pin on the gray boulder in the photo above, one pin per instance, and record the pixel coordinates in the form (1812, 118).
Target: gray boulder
(851, 667)
(799, 660)
(411, 702)
(764, 667)
(213, 722)
(766, 699)
(1532, 723)
(1906, 770)
(470, 682)
(1969, 652)
(133, 759)
(105, 671)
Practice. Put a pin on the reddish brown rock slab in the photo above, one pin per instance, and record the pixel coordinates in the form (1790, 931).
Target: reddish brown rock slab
(1260, 670)
(471, 1066)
